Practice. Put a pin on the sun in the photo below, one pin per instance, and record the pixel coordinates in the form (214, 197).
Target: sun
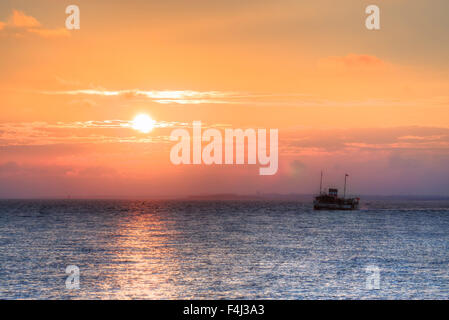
(143, 123)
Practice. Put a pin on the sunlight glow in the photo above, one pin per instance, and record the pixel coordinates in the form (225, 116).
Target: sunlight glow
(143, 123)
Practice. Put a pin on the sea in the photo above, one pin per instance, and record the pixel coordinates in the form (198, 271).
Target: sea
(173, 249)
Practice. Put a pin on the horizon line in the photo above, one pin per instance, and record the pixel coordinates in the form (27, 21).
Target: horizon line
(223, 196)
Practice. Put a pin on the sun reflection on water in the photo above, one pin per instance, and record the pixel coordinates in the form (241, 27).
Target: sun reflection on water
(140, 268)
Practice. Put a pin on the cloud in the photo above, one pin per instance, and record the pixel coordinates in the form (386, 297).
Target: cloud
(414, 139)
(297, 168)
(352, 62)
(19, 19)
(20, 24)
(67, 82)
(50, 33)
(159, 96)
(296, 141)
(190, 97)
(81, 132)
(86, 103)
(16, 169)
(162, 94)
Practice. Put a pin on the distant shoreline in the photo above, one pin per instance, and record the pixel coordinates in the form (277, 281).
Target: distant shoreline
(237, 197)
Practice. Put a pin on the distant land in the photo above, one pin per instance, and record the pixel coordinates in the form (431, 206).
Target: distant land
(240, 197)
(307, 197)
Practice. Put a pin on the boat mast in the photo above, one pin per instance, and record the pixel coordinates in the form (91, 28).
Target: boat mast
(344, 192)
(321, 181)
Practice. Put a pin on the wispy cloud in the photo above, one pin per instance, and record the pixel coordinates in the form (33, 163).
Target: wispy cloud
(50, 33)
(190, 97)
(352, 62)
(161, 96)
(106, 131)
(20, 24)
(21, 20)
(422, 139)
(165, 96)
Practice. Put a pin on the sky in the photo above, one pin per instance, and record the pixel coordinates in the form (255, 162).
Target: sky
(372, 104)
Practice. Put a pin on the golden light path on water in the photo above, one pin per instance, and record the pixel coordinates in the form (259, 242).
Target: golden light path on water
(139, 266)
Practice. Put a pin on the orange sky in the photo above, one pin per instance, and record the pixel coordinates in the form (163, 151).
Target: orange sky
(373, 104)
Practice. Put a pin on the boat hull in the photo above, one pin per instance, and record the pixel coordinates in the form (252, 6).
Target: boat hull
(333, 206)
(324, 203)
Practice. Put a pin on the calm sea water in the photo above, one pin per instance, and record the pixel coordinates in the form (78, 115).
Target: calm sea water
(216, 250)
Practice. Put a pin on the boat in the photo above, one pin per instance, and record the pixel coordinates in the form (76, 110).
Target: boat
(331, 200)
